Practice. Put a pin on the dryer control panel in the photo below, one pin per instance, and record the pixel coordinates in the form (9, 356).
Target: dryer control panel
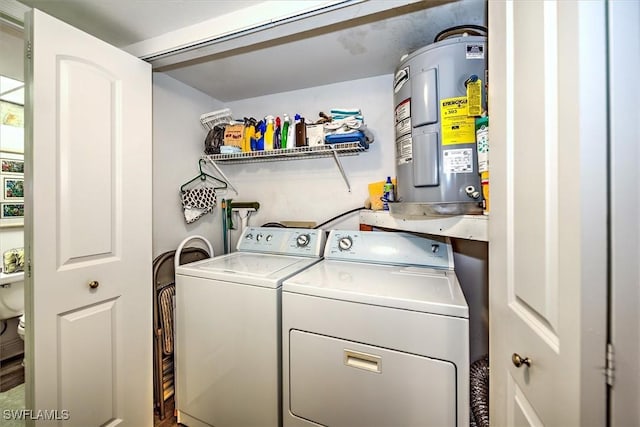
(282, 241)
(389, 248)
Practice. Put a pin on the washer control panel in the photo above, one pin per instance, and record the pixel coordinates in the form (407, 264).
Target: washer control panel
(283, 241)
(389, 248)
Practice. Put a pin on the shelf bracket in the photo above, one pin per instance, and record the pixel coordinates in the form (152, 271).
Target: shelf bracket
(217, 168)
(344, 176)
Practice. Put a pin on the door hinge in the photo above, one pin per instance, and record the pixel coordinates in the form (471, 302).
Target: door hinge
(609, 369)
(28, 267)
(28, 49)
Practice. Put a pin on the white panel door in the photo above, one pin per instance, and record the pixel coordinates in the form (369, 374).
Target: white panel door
(624, 104)
(88, 228)
(548, 235)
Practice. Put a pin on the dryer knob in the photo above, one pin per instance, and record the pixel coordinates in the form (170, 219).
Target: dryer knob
(303, 240)
(345, 243)
(259, 237)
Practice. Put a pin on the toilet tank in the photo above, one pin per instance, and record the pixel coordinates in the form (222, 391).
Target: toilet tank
(11, 295)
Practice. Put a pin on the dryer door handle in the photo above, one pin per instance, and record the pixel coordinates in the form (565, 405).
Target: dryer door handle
(368, 362)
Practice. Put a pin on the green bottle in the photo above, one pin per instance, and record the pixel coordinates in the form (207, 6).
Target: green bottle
(284, 134)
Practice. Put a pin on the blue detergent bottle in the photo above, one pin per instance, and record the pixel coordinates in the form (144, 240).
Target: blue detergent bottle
(261, 128)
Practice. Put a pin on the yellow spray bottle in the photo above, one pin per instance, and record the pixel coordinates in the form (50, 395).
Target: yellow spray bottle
(268, 134)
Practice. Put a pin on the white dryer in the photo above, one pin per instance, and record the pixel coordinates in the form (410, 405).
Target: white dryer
(228, 328)
(376, 335)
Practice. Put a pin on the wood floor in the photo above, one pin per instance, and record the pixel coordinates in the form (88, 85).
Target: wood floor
(170, 420)
(11, 373)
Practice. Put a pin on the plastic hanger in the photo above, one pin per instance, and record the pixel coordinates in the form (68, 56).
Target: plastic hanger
(203, 176)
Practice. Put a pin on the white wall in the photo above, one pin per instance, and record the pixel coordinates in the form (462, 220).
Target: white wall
(178, 143)
(11, 238)
(313, 189)
(306, 190)
(11, 137)
(12, 48)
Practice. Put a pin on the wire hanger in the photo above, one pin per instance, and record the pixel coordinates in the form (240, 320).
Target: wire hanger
(203, 176)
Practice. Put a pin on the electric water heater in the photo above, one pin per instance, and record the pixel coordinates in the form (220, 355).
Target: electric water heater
(437, 92)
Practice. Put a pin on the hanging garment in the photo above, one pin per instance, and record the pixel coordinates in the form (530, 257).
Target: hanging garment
(197, 202)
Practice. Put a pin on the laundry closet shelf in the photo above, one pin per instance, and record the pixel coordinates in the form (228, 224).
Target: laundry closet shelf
(471, 227)
(328, 150)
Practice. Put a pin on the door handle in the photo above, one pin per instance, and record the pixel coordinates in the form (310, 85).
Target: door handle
(518, 360)
(94, 284)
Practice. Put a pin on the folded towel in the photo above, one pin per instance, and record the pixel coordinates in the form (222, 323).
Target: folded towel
(13, 260)
(346, 114)
(346, 111)
(230, 149)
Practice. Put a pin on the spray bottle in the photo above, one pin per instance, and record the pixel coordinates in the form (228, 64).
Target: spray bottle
(284, 135)
(291, 142)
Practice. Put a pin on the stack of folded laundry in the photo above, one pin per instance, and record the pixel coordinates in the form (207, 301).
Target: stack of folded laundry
(347, 125)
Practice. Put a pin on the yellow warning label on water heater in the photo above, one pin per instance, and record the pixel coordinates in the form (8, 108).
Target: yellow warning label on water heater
(457, 126)
(474, 95)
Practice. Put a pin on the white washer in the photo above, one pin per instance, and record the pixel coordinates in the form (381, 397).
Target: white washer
(228, 328)
(376, 334)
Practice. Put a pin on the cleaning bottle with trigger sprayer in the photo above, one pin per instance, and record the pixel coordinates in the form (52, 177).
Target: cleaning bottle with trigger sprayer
(291, 141)
(284, 134)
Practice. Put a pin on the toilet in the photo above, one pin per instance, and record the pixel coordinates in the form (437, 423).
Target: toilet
(21, 327)
(11, 296)
(12, 299)
(12, 304)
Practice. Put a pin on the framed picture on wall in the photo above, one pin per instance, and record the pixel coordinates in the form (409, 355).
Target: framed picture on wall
(11, 214)
(11, 114)
(12, 188)
(9, 166)
(12, 196)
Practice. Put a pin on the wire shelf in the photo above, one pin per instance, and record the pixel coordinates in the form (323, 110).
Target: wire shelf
(327, 150)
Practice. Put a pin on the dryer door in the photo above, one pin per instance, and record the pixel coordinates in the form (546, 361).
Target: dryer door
(336, 383)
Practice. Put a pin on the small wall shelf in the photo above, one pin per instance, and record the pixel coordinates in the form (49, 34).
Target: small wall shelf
(327, 150)
(471, 227)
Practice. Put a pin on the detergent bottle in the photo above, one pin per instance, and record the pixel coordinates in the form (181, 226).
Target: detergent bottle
(268, 133)
(301, 131)
(277, 133)
(248, 143)
(261, 127)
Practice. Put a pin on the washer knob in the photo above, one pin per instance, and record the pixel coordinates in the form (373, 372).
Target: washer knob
(259, 237)
(269, 237)
(345, 243)
(303, 240)
(249, 236)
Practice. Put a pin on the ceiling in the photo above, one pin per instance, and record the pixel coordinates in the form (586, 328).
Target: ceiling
(269, 63)
(124, 22)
